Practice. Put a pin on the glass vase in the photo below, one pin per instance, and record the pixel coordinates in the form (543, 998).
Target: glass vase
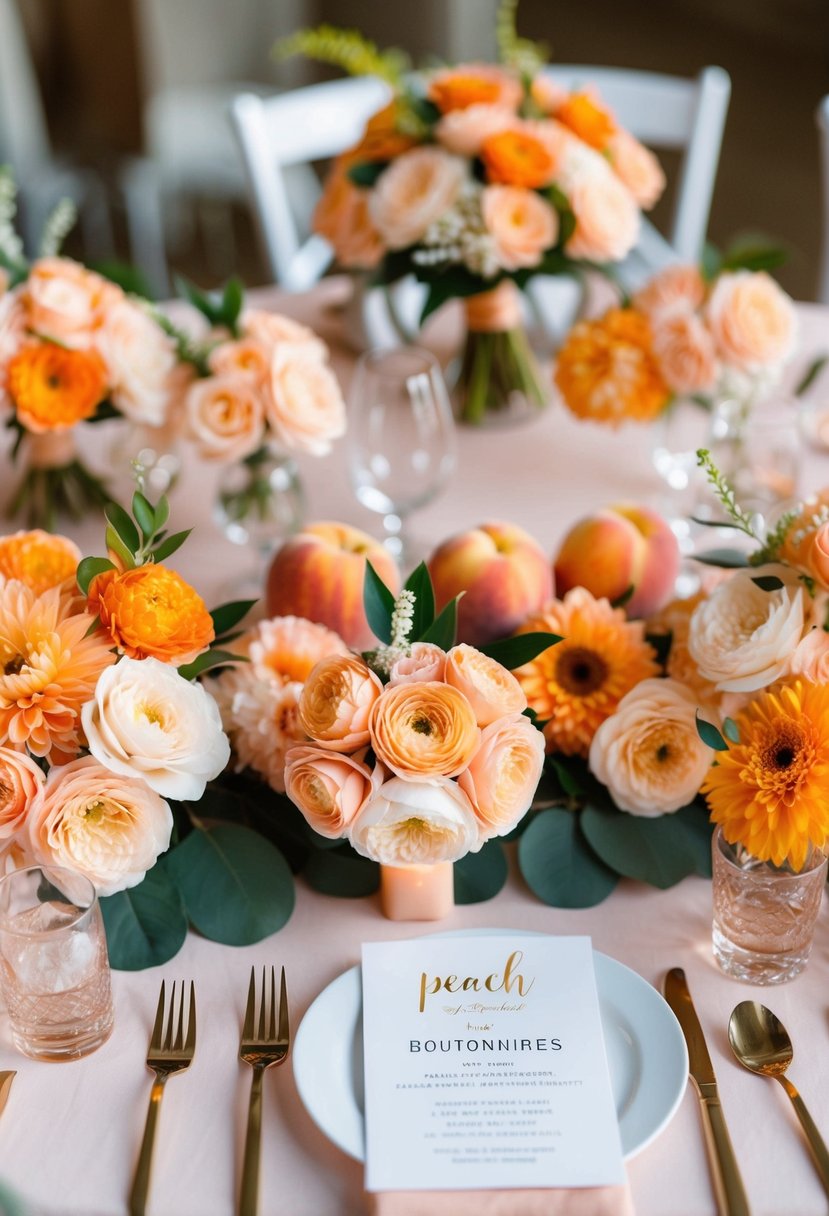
(55, 482)
(764, 915)
(260, 500)
(417, 892)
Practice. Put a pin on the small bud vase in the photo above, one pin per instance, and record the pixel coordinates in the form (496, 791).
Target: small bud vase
(417, 892)
(56, 483)
(260, 500)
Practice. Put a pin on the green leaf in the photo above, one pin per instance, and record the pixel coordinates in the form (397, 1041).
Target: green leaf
(113, 541)
(731, 730)
(342, 872)
(420, 584)
(144, 514)
(711, 262)
(660, 851)
(168, 547)
(366, 173)
(754, 252)
(812, 372)
(207, 660)
(378, 603)
(162, 512)
(523, 648)
(480, 876)
(558, 864)
(768, 582)
(146, 925)
(450, 284)
(710, 735)
(727, 559)
(568, 782)
(237, 887)
(715, 523)
(443, 630)
(625, 598)
(89, 567)
(227, 615)
(233, 298)
(123, 525)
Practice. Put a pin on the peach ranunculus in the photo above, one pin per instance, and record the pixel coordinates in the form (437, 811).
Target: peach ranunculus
(752, 320)
(649, 753)
(381, 139)
(637, 167)
(685, 353)
(811, 658)
(425, 662)
(151, 612)
(503, 774)
(225, 417)
(38, 559)
(463, 132)
(474, 84)
(67, 302)
(547, 95)
(21, 782)
(424, 729)
(676, 289)
(416, 189)
(343, 217)
(416, 823)
(607, 218)
(488, 686)
(140, 358)
(304, 404)
(330, 789)
(584, 114)
(743, 638)
(519, 156)
(107, 827)
(337, 701)
(521, 223)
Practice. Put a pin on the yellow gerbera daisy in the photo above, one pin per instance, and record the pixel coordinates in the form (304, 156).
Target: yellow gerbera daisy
(770, 791)
(580, 682)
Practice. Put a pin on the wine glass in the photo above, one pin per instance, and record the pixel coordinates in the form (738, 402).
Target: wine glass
(401, 438)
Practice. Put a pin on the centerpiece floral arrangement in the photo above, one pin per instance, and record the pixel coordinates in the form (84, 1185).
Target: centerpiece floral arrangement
(474, 178)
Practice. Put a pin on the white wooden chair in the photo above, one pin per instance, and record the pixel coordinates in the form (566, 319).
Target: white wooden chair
(822, 117)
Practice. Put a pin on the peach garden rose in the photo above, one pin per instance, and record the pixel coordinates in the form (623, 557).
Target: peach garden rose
(522, 225)
(304, 405)
(65, 301)
(413, 192)
(685, 353)
(676, 289)
(330, 789)
(140, 359)
(637, 167)
(424, 662)
(607, 221)
(463, 132)
(752, 320)
(503, 774)
(225, 417)
(337, 701)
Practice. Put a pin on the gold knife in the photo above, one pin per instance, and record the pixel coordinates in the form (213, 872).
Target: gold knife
(728, 1185)
(6, 1079)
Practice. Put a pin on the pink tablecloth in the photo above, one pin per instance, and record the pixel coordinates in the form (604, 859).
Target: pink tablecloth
(70, 1134)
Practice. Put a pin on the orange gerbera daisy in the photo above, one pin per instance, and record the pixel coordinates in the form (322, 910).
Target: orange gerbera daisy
(38, 559)
(53, 387)
(606, 370)
(588, 119)
(769, 791)
(580, 682)
(516, 158)
(48, 670)
(151, 612)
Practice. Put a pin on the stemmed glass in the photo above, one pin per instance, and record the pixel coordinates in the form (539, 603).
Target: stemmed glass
(401, 438)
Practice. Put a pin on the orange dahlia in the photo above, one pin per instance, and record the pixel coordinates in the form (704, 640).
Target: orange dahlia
(768, 791)
(587, 119)
(606, 370)
(579, 683)
(516, 158)
(48, 670)
(151, 612)
(38, 559)
(53, 387)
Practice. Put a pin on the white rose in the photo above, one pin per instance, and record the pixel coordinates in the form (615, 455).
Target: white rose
(416, 823)
(649, 753)
(147, 721)
(742, 638)
(140, 358)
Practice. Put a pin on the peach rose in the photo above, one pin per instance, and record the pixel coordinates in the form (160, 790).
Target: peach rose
(328, 788)
(225, 417)
(416, 823)
(21, 782)
(637, 167)
(304, 405)
(108, 827)
(815, 555)
(490, 689)
(684, 351)
(415, 190)
(504, 773)
(343, 217)
(463, 132)
(140, 359)
(472, 84)
(426, 662)
(607, 218)
(66, 301)
(649, 753)
(811, 658)
(676, 289)
(521, 224)
(240, 357)
(271, 330)
(424, 729)
(547, 95)
(337, 701)
(752, 320)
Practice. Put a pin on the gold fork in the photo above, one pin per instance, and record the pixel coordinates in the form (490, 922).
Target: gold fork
(166, 1055)
(261, 1046)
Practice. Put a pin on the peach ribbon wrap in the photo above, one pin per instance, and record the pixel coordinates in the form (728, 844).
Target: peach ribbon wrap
(495, 311)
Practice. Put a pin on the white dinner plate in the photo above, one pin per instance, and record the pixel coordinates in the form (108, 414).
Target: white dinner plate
(646, 1054)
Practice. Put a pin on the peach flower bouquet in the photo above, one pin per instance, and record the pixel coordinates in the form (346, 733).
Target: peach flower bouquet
(475, 178)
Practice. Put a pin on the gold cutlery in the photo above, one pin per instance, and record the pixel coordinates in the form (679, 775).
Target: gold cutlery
(262, 1045)
(761, 1043)
(6, 1079)
(169, 1053)
(728, 1185)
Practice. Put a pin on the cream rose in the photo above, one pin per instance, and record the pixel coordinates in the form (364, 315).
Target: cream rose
(463, 132)
(21, 782)
(811, 659)
(336, 702)
(504, 773)
(490, 689)
(607, 218)
(742, 638)
(649, 753)
(304, 406)
(426, 662)
(140, 359)
(225, 417)
(66, 301)
(752, 320)
(424, 729)
(684, 350)
(637, 167)
(147, 721)
(329, 789)
(522, 225)
(416, 823)
(416, 189)
(108, 827)
(676, 289)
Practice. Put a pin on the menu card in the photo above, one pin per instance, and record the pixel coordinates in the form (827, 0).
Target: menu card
(485, 1065)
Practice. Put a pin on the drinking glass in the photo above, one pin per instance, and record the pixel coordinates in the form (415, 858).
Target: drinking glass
(758, 450)
(54, 970)
(401, 437)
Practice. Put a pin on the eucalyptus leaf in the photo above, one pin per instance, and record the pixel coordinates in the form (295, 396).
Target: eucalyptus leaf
(523, 648)
(480, 876)
(89, 568)
(145, 925)
(811, 374)
(731, 730)
(378, 603)
(342, 872)
(420, 585)
(443, 630)
(559, 865)
(710, 735)
(658, 850)
(727, 559)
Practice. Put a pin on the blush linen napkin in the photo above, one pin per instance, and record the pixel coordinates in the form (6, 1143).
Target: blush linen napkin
(564, 1201)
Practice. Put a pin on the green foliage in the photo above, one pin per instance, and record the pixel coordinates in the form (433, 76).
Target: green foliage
(378, 603)
(523, 648)
(710, 735)
(812, 372)
(520, 54)
(221, 309)
(768, 582)
(753, 251)
(89, 567)
(480, 876)
(724, 559)
(443, 630)
(342, 872)
(146, 925)
(725, 494)
(420, 585)
(731, 730)
(659, 851)
(366, 173)
(559, 865)
(349, 50)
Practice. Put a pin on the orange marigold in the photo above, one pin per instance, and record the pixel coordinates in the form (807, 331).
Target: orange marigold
(606, 370)
(151, 612)
(53, 387)
(587, 119)
(578, 683)
(516, 158)
(38, 559)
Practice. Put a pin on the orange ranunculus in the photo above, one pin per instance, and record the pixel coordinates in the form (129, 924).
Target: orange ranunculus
(516, 158)
(342, 217)
(53, 387)
(474, 84)
(424, 729)
(38, 559)
(381, 139)
(588, 119)
(151, 612)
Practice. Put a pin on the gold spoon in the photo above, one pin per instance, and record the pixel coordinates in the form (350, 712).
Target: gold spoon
(761, 1043)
